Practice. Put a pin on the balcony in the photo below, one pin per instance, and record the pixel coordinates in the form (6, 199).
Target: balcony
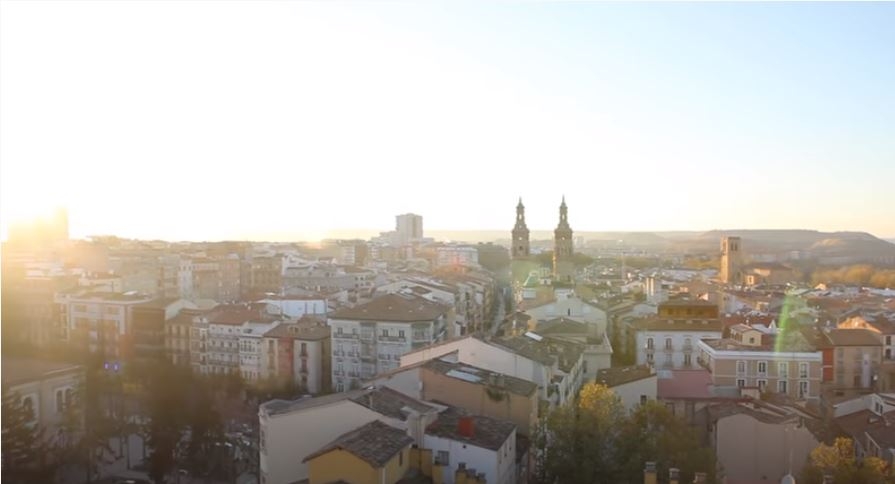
(392, 339)
(688, 348)
(668, 349)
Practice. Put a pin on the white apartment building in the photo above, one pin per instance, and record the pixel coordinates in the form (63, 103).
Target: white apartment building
(482, 443)
(185, 278)
(408, 228)
(294, 307)
(250, 349)
(672, 344)
(557, 367)
(370, 338)
(458, 255)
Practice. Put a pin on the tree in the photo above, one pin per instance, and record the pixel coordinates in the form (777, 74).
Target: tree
(167, 389)
(596, 441)
(652, 433)
(205, 429)
(24, 449)
(576, 443)
(839, 461)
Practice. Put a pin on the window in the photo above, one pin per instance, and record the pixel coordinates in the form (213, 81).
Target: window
(643, 399)
(803, 389)
(752, 340)
(667, 343)
(649, 358)
(649, 343)
(28, 405)
(762, 367)
(741, 367)
(888, 340)
(781, 386)
(385, 333)
(668, 361)
(803, 370)
(401, 333)
(762, 385)
(741, 382)
(443, 457)
(688, 343)
(783, 370)
(687, 359)
(339, 331)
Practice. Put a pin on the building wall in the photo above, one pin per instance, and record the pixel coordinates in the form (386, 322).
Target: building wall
(571, 307)
(360, 351)
(477, 353)
(341, 465)
(751, 450)
(854, 366)
(287, 439)
(727, 372)
(296, 308)
(43, 394)
(497, 470)
(407, 381)
(631, 393)
(678, 353)
(308, 365)
(521, 410)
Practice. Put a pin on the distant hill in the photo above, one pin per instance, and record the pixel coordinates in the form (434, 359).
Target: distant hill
(828, 247)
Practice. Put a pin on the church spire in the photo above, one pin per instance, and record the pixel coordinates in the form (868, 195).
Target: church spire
(563, 267)
(520, 233)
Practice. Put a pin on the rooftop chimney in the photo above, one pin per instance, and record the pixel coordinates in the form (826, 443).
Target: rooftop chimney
(649, 473)
(466, 427)
(673, 474)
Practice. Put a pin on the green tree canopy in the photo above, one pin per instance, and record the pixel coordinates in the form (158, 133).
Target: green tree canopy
(839, 461)
(595, 440)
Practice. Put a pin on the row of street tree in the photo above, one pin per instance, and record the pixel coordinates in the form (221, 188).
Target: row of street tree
(174, 413)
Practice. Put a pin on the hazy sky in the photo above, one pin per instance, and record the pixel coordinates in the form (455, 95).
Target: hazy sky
(210, 120)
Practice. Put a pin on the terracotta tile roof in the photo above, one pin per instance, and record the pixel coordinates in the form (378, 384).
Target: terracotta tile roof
(612, 377)
(685, 384)
(853, 337)
(561, 325)
(300, 331)
(480, 376)
(855, 424)
(488, 433)
(376, 443)
(883, 436)
(393, 307)
(390, 402)
(655, 323)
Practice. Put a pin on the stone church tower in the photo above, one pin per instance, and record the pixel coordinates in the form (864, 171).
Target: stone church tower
(520, 234)
(731, 261)
(563, 266)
